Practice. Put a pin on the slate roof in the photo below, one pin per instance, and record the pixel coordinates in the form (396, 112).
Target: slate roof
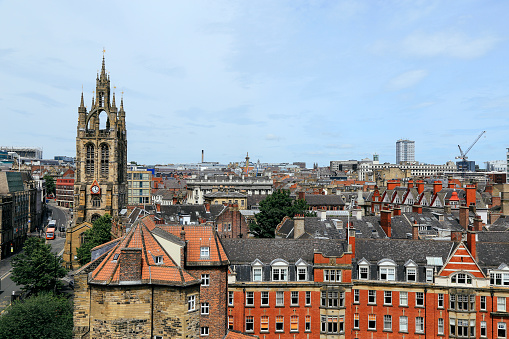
(227, 195)
(255, 199)
(492, 254)
(324, 200)
(314, 227)
(491, 236)
(402, 225)
(501, 224)
(245, 251)
(401, 250)
(171, 213)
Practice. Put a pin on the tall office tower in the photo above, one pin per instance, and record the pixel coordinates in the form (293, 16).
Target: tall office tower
(405, 151)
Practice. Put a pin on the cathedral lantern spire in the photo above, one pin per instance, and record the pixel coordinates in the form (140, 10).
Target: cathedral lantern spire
(82, 104)
(113, 104)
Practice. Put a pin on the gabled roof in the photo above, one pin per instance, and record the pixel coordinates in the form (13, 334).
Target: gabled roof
(461, 260)
(321, 200)
(141, 240)
(197, 236)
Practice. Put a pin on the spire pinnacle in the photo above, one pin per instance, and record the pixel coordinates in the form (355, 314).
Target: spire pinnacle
(113, 102)
(82, 104)
(122, 101)
(103, 69)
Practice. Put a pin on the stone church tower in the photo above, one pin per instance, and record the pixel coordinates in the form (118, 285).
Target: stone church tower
(100, 185)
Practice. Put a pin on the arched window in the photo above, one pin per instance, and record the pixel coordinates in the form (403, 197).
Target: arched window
(105, 159)
(89, 162)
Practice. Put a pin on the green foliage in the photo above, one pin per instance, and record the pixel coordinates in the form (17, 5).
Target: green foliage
(49, 182)
(272, 211)
(37, 268)
(40, 316)
(99, 234)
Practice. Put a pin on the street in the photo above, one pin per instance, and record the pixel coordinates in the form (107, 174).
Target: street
(62, 216)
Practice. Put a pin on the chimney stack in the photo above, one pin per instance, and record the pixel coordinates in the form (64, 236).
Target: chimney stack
(456, 236)
(385, 221)
(396, 211)
(420, 186)
(471, 243)
(322, 214)
(464, 211)
(302, 195)
(410, 183)
(437, 187)
(202, 155)
(298, 226)
(415, 231)
(417, 209)
(470, 195)
(351, 239)
(478, 224)
(130, 264)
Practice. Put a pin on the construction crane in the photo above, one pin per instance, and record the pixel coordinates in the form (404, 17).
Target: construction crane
(463, 156)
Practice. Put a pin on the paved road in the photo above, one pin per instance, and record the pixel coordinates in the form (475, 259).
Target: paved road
(62, 216)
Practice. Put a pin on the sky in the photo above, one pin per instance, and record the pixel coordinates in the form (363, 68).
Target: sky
(286, 81)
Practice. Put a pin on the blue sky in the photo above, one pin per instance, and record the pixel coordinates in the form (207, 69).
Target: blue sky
(286, 81)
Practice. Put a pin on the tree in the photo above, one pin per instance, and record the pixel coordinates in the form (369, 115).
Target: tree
(41, 316)
(37, 268)
(272, 211)
(49, 182)
(99, 234)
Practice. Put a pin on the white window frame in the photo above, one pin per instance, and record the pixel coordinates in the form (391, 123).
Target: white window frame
(204, 331)
(301, 267)
(280, 298)
(251, 323)
(387, 270)
(356, 296)
(371, 297)
(483, 325)
(372, 327)
(483, 303)
(411, 271)
(417, 295)
(205, 279)
(419, 325)
(204, 252)
(249, 298)
(257, 274)
(387, 322)
(403, 324)
(204, 309)
(279, 270)
(230, 298)
(364, 270)
(440, 329)
(501, 304)
(387, 296)
(191, 303)
(308, 298)
(293, 295)
(502, 326)
(403, 298)
(262, 298)
(429, 275)
(440, 303)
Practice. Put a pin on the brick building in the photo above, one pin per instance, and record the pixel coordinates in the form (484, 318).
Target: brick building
(65, 189)
(173, 278)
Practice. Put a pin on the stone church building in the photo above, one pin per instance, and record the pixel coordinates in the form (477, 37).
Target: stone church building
(100, 185)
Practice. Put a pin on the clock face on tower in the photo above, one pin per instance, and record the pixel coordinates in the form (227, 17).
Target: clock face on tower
(95, 189)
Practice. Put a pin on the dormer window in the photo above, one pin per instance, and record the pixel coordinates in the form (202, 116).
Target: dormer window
(115, 257)
(363, 269)
(204, 252)
(158, 260)
(257, 269)
(302, 270)
(387, 270)
(279, 270)
(500, 277)
(411, 271)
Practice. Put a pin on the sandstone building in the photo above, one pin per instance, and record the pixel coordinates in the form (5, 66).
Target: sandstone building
(100, 184)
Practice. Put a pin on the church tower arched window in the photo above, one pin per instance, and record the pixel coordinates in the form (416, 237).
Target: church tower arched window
(105, 159)
(89, 163)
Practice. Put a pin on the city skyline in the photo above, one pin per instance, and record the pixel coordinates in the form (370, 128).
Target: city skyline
(286, 81)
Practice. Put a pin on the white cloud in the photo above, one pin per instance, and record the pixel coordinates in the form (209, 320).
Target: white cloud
(407, 79)
(455, 45)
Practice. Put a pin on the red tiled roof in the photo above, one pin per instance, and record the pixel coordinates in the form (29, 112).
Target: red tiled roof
(198, 236)
(140, 237)
(238, 335)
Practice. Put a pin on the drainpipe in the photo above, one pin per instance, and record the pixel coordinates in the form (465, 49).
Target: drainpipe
(425, 308)
(491, 292)
(244, 311)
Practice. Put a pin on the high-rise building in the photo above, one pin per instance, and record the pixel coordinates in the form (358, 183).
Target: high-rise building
(405, 151)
